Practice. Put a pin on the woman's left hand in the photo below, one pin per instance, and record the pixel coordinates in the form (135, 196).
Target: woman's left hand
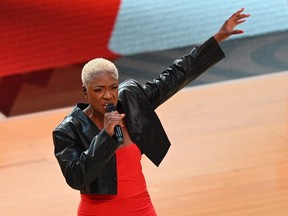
(228, 28)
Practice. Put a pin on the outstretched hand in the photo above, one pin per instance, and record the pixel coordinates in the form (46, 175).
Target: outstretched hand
(228, 28)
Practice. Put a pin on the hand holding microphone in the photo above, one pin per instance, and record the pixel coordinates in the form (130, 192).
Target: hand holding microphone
(115, 121)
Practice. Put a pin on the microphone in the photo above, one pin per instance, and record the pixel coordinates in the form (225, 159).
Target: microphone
(118, 135)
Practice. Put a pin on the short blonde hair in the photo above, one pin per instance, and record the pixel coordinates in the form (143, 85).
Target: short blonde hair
(96, 66)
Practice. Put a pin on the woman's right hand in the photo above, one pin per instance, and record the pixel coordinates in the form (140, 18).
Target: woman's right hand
(111, 119)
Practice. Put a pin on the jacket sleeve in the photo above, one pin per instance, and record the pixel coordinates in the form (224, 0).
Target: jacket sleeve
(80, 167)
(183, 71)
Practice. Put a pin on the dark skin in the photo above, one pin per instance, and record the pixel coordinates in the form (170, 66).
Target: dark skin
(103, 89)
(228, 28)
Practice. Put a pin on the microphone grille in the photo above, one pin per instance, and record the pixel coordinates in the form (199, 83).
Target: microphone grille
(110, 107)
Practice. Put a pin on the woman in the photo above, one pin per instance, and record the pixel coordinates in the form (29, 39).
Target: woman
(108, 172)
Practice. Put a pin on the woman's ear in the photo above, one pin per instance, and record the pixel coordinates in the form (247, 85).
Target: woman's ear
(84, 90)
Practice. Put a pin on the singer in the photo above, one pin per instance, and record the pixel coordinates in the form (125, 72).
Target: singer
(106, 171)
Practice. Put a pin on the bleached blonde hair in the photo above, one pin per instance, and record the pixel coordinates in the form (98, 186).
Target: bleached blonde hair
(96, 66)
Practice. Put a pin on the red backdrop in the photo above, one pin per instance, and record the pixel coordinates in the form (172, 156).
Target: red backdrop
(37, 35)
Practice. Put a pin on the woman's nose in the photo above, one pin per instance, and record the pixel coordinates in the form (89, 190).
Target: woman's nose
(107, 94)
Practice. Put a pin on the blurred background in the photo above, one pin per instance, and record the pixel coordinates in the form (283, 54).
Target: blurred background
(239, 169)
(44, 44)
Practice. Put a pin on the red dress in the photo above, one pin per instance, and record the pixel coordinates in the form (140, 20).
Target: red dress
(132, 198)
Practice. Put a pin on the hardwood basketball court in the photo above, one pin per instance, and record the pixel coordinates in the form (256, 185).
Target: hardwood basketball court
(229, 155)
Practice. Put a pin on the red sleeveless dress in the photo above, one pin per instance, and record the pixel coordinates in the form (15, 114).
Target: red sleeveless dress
(132, 198)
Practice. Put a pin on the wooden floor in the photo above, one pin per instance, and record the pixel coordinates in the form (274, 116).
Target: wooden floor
(229, 155)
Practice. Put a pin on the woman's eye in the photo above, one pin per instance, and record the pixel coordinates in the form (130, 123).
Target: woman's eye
(97, 90)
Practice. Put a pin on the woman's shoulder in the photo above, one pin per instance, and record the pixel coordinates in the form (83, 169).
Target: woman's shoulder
(128, 83)
(75, 115)
(131, 87)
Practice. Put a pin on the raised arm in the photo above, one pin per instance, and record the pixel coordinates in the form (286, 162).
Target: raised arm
(228, 28)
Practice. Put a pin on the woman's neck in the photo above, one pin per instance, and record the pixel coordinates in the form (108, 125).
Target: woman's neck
(97, 118)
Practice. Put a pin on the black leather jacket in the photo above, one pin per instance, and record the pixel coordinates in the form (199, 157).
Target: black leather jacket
(87, 155)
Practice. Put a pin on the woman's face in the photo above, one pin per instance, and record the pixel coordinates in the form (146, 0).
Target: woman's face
(101, 90)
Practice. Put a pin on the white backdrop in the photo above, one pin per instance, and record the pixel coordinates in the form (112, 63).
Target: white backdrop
(149, 25)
